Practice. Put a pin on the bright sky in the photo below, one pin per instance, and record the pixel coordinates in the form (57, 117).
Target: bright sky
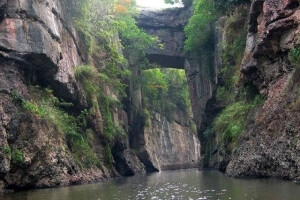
(154, 4)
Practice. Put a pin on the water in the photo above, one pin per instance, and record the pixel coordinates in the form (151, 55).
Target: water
(178, 185)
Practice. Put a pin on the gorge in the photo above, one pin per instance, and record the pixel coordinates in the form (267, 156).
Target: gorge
(90, 91)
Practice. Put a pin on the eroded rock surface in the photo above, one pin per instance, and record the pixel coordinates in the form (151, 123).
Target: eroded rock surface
(38, 46)
(270, 144)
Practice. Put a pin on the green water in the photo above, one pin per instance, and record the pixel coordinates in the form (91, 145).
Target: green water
(178, 185)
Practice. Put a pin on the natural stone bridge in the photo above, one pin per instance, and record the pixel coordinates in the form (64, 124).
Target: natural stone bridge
(168, 26)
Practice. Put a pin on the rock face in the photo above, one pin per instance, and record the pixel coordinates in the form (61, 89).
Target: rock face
(46, 159)
(168, 145)
(38, 46)
(273, 31)
(35, 33)
(270, 144)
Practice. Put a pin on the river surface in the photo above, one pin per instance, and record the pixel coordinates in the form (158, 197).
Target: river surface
(178, 185)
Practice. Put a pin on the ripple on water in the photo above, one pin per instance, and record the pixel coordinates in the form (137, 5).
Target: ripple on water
(173, 185)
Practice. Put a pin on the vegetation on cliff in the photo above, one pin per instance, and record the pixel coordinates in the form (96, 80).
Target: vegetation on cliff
(114, 52)
(165, 91)
(236, 98)
(199, 30)
(47, 106)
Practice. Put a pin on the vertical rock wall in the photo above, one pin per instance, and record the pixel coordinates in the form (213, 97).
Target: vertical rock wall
(270, 145)
(38, 46)
(171, 145)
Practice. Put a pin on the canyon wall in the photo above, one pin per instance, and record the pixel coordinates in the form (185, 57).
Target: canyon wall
(39, 48)
(167, 145)
(270, 144)
(201, 68)
(172, 145)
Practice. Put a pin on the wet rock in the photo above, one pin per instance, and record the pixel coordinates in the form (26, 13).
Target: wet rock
(126, 162)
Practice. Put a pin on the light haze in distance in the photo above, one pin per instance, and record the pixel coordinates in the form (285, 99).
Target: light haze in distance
(155, 4)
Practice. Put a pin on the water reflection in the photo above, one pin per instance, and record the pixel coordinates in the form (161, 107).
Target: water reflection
(178, 185)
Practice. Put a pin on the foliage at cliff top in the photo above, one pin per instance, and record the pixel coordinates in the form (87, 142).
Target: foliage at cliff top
(102, 21)
(109, 26)
(237, 100)
(198, 30)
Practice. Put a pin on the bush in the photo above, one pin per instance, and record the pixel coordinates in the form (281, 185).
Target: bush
(230, 123)
(7, 150)
(198, 29)
(109, 127)
(206, 12)
(294, 56)
(108, 158)
(83, 153)
(45, 104)
(166, 90)
(17, 156)
(233, 52)
(223, 96)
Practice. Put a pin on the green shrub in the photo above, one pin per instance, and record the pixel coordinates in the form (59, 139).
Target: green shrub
(178, 92)
(45, 104)
(83, 153)
(166, 90)
(198, 29)
(294, 56)
(17, 156)
(233, 52)
(109, 128)
(147, 116)
(230, 123)
(224, 96)
(93, 84)
(84, 72)
(7, 150)
(34, 108)
(108, 158)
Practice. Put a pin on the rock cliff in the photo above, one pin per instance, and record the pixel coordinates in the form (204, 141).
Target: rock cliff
(270, 144)
(39, 46)
(201, 69)
(163, 141)
(166, 145)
